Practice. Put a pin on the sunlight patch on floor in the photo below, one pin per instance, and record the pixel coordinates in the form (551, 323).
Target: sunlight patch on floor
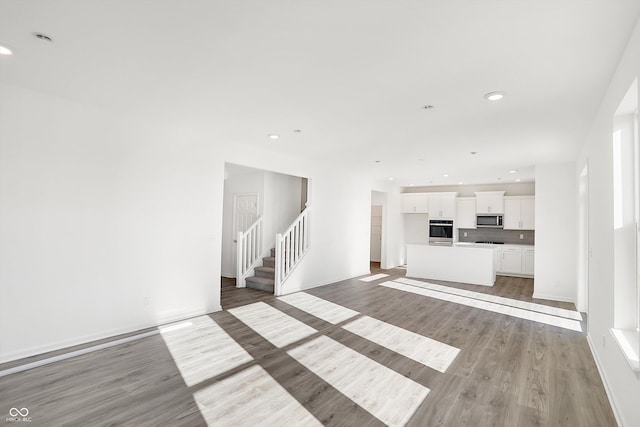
(384, 393)
(318, 307)
(251, 398)
(429, 352)
(374, 277)
(525, 305)
(489, 306)
(203, 350)
(278, 328)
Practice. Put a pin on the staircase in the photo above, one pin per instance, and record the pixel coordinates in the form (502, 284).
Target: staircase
(290, 247)
(264, 278)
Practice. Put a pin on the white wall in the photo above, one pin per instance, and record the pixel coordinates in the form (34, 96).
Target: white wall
(378, 198)
(394, 223)
(282, 203)
(556, 232)
(108, 225)
(237, 184)
(105, 226)
(416, 228)
(340, 220)
(510, 189)
(623, 385)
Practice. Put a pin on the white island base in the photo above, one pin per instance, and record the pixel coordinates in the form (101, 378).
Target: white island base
(464, 264)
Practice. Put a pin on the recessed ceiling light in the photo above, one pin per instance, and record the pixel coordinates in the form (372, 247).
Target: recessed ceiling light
(459, 182)
(297, 131)
(273, 136)
(390, 178)
(43, 37)
(517, 179)
(474, 152)
(428, 107)
(498, 179)
(513, 171)
(378, 161)
(494, 96)
(410, 185)
(445, 175)
(4, 50)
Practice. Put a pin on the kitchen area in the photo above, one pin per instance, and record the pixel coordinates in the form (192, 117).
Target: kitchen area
(463, 234)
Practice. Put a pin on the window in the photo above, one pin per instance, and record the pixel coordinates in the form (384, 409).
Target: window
(626, 217)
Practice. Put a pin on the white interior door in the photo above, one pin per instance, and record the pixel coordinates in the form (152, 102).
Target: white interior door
(376, 233)
(245, 213)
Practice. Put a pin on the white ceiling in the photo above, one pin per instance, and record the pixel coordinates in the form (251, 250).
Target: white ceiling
(353, 75)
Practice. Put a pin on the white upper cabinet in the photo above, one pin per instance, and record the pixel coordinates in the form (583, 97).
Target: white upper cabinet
(511, 218)
(466, 214)
(528, 213)
(442, 205)
(519, 213)
(490, 202)
(415, 203)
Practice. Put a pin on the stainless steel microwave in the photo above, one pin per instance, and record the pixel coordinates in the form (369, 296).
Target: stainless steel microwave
(489, 221)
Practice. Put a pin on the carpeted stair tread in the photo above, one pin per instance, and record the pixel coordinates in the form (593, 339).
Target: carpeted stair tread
(264, 278)
(268, 272)
(262, 283)
(269, 261)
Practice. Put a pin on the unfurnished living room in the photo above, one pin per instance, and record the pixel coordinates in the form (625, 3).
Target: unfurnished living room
(307, 213)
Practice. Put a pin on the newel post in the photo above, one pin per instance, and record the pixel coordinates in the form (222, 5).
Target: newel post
(240, 283)
(279, 259)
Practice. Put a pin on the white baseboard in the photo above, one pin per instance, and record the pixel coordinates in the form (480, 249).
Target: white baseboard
(59, 345)
(526, 276)
(607, 389)
(553, 297)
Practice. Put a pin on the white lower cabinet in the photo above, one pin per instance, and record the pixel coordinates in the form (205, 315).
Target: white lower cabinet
(511, 260)
(528, 257)
(515, 259)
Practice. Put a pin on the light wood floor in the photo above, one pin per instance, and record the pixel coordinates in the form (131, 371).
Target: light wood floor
(508, 372)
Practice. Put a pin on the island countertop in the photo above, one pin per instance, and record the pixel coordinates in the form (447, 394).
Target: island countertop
(467, 263)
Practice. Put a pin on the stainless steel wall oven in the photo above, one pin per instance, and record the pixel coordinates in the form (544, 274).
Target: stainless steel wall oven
(440, 231)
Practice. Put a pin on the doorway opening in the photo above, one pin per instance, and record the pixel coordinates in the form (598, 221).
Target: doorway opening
(259, 204)
(377, 242)
(376, 233)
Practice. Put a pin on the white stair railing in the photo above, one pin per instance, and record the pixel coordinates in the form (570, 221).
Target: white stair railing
(249, 251)
(291, 247)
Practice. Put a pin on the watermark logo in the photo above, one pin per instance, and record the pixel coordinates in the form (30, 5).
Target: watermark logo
(18, 415)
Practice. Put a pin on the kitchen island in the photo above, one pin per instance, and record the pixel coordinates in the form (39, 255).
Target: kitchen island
(460, 262)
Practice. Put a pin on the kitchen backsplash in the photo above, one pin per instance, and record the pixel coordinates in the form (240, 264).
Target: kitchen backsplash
(497, 235)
